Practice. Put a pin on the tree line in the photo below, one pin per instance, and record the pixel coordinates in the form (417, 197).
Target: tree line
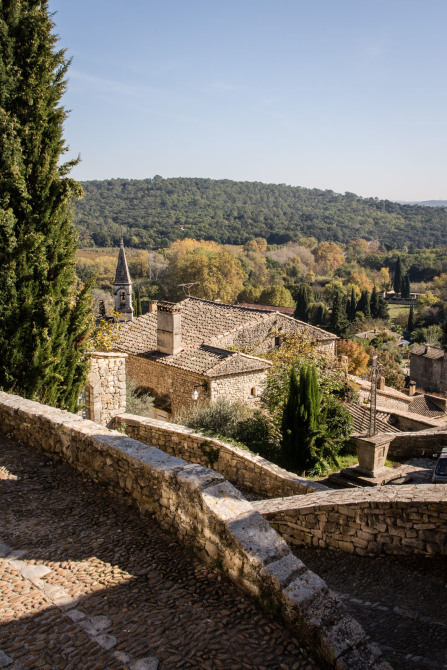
(156, 212)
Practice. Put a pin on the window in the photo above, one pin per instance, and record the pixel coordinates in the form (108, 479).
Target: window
(253, 391)
(122, 298)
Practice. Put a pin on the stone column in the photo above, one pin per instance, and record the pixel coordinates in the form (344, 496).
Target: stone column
(106, 388)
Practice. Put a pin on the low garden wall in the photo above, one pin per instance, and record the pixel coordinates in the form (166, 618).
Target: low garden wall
(235, 464)
(421, 444)
(206, 512)
(392, 520)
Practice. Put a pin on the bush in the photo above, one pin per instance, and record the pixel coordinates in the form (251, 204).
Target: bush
(137, 400)
(237, 421)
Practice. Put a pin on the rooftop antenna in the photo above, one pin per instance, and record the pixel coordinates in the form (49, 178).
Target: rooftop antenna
(187, 287)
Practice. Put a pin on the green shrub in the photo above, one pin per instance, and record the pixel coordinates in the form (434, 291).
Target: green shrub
(137, 400)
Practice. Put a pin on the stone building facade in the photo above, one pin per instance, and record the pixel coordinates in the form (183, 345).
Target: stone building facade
(197, 350)
(428, 368)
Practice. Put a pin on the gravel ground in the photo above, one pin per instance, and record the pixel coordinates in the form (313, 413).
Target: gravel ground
(401, 602)
(87, 582)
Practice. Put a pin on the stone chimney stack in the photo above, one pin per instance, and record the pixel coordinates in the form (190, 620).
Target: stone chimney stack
(169, 328)
(152, 306)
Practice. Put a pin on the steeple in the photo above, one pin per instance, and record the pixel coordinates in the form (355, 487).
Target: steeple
(122, 286)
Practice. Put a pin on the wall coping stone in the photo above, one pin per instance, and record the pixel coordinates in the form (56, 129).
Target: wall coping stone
(262, 464)
(107, 354)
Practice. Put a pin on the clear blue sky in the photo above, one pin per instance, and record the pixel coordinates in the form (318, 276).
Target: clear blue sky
(343, 94)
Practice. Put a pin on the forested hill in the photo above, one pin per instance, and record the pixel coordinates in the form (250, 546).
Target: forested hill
(157, 211)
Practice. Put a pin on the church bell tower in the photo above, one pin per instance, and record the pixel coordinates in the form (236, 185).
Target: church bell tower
(122, 287)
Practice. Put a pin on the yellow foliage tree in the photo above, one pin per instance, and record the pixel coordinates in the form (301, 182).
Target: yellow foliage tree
(358, 359)
(219, 275)
(329, 256)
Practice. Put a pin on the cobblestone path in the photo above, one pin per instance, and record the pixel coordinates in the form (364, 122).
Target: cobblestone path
(86, 582)
(400, 602)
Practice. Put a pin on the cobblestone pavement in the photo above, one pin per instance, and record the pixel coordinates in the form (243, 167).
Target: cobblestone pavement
(87, 582)
(401, 602)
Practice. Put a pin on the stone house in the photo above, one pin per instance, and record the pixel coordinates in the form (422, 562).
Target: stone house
(202, 350)
(428, 368)
(198, 350)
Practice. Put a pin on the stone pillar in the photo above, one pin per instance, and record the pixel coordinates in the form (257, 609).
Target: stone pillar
(372, 453)
(106, 388)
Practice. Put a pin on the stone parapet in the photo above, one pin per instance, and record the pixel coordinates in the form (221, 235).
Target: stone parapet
(409, 519)
(236, 464)
(207, 513)
(106, 387)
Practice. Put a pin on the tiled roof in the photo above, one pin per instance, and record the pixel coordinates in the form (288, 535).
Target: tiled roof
(204, 323)
(122, 275)
(428, 352)
(361, 420)
(268, 308)
(425, 406)
(210, 361)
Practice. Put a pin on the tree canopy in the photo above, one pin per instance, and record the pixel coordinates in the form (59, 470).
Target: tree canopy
(156, 212)
(44, 323)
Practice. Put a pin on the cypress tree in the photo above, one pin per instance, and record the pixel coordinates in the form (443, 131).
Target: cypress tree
(397, 281)
(351, 307)
(303, 302)
(364, 303)
(374, 303)
(406, 287)
(410, 323)
(44, 320)
(337, 320)
(383, 312)
(302, 421)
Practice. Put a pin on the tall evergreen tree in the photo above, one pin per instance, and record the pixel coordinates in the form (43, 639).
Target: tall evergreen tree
(302, 422)
(364, 303)
(337, 320)
(383, 311)
(410, 323)
(397, 281)
(375, 303)
(303, 302)
(406, 287)
(351, 306)
(44, 322)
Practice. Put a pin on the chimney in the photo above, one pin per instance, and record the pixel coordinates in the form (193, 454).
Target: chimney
(381, 383)
(412, 388)
(427, 349)
(169, 328)
(152, 306)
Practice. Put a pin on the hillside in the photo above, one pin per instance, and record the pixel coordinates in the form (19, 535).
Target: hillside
(157, 211)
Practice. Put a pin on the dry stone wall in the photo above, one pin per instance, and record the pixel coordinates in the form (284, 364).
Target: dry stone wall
(389, 519)
(106, 390)
(246, 387)
(236, 464)
(206, 512)
(175, 384)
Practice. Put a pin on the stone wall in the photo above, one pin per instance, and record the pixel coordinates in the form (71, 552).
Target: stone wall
(247, 387)
(175, 384)
(421, 444)
(391, 520)
(428, 373)
(105, 395)
(207, 513)
(234, 463)
(260, 337)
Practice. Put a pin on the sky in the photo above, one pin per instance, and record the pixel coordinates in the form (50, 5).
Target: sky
(348, 95)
